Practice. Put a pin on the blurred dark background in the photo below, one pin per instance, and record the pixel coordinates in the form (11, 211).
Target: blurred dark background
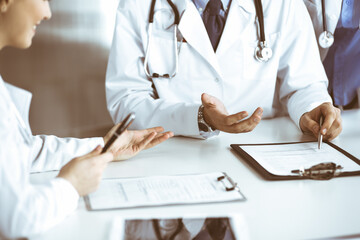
(65, 69)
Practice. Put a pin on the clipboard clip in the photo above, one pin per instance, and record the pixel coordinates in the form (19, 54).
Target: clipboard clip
(321, 171)
(233, 185)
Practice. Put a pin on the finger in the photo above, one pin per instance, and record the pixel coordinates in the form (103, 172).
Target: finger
(335, 128)
(256, 116)
(159, 139)
(155, 129)
(332, 133)
(208, 100)
(235, 118)
(96, 151)
(145, 142)
(309, 124)
(329, 117)
(248, 124)
(145, 132)
(332, 118)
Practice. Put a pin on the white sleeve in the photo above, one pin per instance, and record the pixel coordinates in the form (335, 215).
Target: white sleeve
(51, 153)
(31, 209)
(303, 79)
(25, 208)
(127, 87)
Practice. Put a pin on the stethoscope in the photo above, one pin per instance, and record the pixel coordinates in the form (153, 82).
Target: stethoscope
(150, 28)
(326, 38)
(263, 52)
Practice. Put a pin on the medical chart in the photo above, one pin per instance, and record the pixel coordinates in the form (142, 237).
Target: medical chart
(281, 159)
(162, 190)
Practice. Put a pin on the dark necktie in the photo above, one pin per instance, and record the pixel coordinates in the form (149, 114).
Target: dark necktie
(213, 21)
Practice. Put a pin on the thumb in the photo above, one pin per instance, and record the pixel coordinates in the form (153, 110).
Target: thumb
(103, 159)
(94, 152)
(208, 100)
(106, 157)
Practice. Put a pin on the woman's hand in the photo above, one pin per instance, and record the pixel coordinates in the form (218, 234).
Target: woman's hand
(85, 172)
(131, 142)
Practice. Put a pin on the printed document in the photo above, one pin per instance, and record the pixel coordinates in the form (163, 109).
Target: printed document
(162, 190)
(281, 159)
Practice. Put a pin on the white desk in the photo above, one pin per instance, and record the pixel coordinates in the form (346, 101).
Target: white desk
(300, 209)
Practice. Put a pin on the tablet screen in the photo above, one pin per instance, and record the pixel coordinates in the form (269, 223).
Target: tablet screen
(179, 228)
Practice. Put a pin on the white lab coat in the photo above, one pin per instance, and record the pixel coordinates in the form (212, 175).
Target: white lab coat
(26, 208)
(294, 78)
(332, 11)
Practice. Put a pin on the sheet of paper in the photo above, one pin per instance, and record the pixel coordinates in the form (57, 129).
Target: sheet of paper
(280, 159)
(161, 190)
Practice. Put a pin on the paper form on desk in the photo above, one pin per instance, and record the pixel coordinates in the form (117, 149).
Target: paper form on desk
(281, 159)
(162, 190)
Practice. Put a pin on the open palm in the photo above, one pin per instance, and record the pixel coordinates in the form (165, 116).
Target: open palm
(131, 142)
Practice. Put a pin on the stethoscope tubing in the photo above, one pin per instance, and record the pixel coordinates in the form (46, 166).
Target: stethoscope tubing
(323, 15)
(149, 43)
(173, 7)
(260, 15)
(262, 52)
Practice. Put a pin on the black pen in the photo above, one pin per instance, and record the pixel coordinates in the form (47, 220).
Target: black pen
(123, 126)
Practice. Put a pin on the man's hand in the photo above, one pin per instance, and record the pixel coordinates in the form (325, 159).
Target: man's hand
(131, 143)
(85, 172)
(331, 127)
(216, 115)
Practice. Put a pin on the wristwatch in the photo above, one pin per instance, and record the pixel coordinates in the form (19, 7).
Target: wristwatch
(203, 126)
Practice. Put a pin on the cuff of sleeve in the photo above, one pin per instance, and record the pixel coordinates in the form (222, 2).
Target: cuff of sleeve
(67, 194)
(207, 135)
(187, 121)
(301, 102)
(298, 114)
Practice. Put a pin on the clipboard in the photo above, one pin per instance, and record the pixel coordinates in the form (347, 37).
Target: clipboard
(118, 193)
(240, 150)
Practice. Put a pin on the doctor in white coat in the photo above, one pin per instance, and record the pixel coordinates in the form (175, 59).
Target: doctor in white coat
(292, 82)
(26, 208)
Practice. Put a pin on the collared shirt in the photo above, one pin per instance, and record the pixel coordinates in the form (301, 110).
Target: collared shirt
(342, 61)
(201, 5)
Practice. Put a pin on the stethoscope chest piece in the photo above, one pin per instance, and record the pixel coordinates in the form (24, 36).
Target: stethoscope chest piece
(263, 53)
(326, 39)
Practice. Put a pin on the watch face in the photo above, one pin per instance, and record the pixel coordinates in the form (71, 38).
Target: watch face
(203, 127)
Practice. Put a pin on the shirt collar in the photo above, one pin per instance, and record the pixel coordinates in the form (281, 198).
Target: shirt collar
(201, 4)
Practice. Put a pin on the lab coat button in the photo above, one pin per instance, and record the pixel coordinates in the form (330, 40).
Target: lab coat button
(217, 80)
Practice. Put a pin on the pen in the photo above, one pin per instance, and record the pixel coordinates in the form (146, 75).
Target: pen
(320, 136)
(123, 126)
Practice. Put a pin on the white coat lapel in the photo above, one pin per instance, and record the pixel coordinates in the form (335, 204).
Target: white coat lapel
(239, 18)
(194, 32)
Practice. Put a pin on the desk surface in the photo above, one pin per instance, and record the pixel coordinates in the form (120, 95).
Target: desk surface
(299, 209)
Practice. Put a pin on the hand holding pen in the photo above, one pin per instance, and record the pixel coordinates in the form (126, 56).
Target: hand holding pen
(331, 125)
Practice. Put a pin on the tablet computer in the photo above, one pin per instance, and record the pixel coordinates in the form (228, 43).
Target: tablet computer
(189, 227)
